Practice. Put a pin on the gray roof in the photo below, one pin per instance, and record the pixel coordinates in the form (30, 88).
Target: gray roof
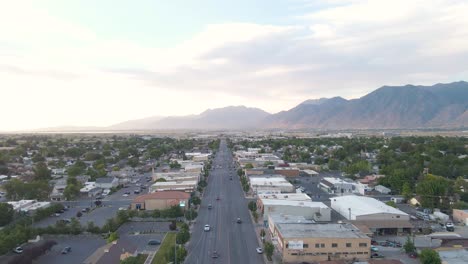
(105, 180)
(320, 231)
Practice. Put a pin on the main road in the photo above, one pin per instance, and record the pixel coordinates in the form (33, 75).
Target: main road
(234, 242)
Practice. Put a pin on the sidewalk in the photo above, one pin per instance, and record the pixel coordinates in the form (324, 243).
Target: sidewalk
(276, 258)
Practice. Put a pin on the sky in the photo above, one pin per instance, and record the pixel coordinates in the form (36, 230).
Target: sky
(97, 63)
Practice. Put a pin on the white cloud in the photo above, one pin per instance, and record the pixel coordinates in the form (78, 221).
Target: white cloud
(54, 72)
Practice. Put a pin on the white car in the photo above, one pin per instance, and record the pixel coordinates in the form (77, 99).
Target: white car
(125, 195)
(259, 250)
(18, 250)
(207, 228)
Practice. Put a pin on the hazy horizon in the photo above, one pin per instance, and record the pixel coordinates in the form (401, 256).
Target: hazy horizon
(98, 63)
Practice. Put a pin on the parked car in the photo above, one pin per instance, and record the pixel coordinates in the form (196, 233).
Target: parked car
(374, 248)
(125, 195)
(413, 255)
(377, 255)
(18, 250)
(259, 250)
(66, 250)
(154, 242)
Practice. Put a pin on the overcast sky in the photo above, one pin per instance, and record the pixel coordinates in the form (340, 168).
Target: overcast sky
(96, 63)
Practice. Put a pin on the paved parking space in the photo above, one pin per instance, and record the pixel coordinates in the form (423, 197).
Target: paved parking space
(81, 247)
(139, 233)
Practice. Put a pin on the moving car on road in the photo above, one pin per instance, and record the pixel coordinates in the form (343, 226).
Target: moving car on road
(66, 250)
(18, 250)
(450, 227)
(259, 250)
(207, 228)
(210, 206)
(238, 220)
(215, 254)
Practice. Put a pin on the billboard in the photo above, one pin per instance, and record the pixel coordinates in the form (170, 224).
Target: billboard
(296, 244)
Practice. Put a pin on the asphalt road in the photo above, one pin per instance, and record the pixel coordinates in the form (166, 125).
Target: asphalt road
(235, 243)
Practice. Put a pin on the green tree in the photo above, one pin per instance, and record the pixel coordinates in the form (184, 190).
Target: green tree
(6, 213)
(182, 237)
(181, 254)
(333, 164)
(406, 191)
(431, 189)
(112, 237)
(429, 256)
(252, 206)
(409, 245)
(391, 203)
(41, 171)
(248, 166)
(269, 248)
(196, 200)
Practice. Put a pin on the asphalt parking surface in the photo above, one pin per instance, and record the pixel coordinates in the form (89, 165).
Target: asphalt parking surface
(82, 246)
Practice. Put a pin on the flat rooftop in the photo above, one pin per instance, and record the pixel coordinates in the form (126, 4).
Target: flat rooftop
(294, 203)
(171, 183)
(361, 205)
(320, 231)
(285, 219)
(286, 196)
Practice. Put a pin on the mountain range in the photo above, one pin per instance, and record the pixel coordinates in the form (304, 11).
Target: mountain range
(388, 107)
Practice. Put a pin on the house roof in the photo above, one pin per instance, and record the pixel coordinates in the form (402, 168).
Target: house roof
(162, 195)
(105, 180)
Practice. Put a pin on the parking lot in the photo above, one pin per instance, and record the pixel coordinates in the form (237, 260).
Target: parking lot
(81, 247)
(99, 215)
(139, 233)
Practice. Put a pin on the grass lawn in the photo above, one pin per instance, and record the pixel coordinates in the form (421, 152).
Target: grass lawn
(168, 242)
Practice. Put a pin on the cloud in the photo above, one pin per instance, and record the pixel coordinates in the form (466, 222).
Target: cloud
(343, 48)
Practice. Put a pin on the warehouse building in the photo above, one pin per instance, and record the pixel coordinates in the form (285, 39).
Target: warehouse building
(371, 213)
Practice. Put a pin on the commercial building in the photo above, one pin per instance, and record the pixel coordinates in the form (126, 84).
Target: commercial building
(28, 205)
(107, 182)
(336, 185)
(270, 184)
(373, 214)
(287, 171)
(184, 186)
(316, 211)
(160, 200)
(460, 216)
(176, 176)
(319, 242)
(274, 219)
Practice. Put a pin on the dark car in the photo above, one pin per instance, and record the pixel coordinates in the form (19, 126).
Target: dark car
(215, 254)
(66, 250)
(238, 221)
(377, 255)
(154, 242)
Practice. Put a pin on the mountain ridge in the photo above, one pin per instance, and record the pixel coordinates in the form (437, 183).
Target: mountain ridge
(443, 105)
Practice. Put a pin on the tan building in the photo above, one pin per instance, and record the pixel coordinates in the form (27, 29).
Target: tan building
(183, 186)
(287, 171)
(160, 200)
(320, 242)
(460, 216)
